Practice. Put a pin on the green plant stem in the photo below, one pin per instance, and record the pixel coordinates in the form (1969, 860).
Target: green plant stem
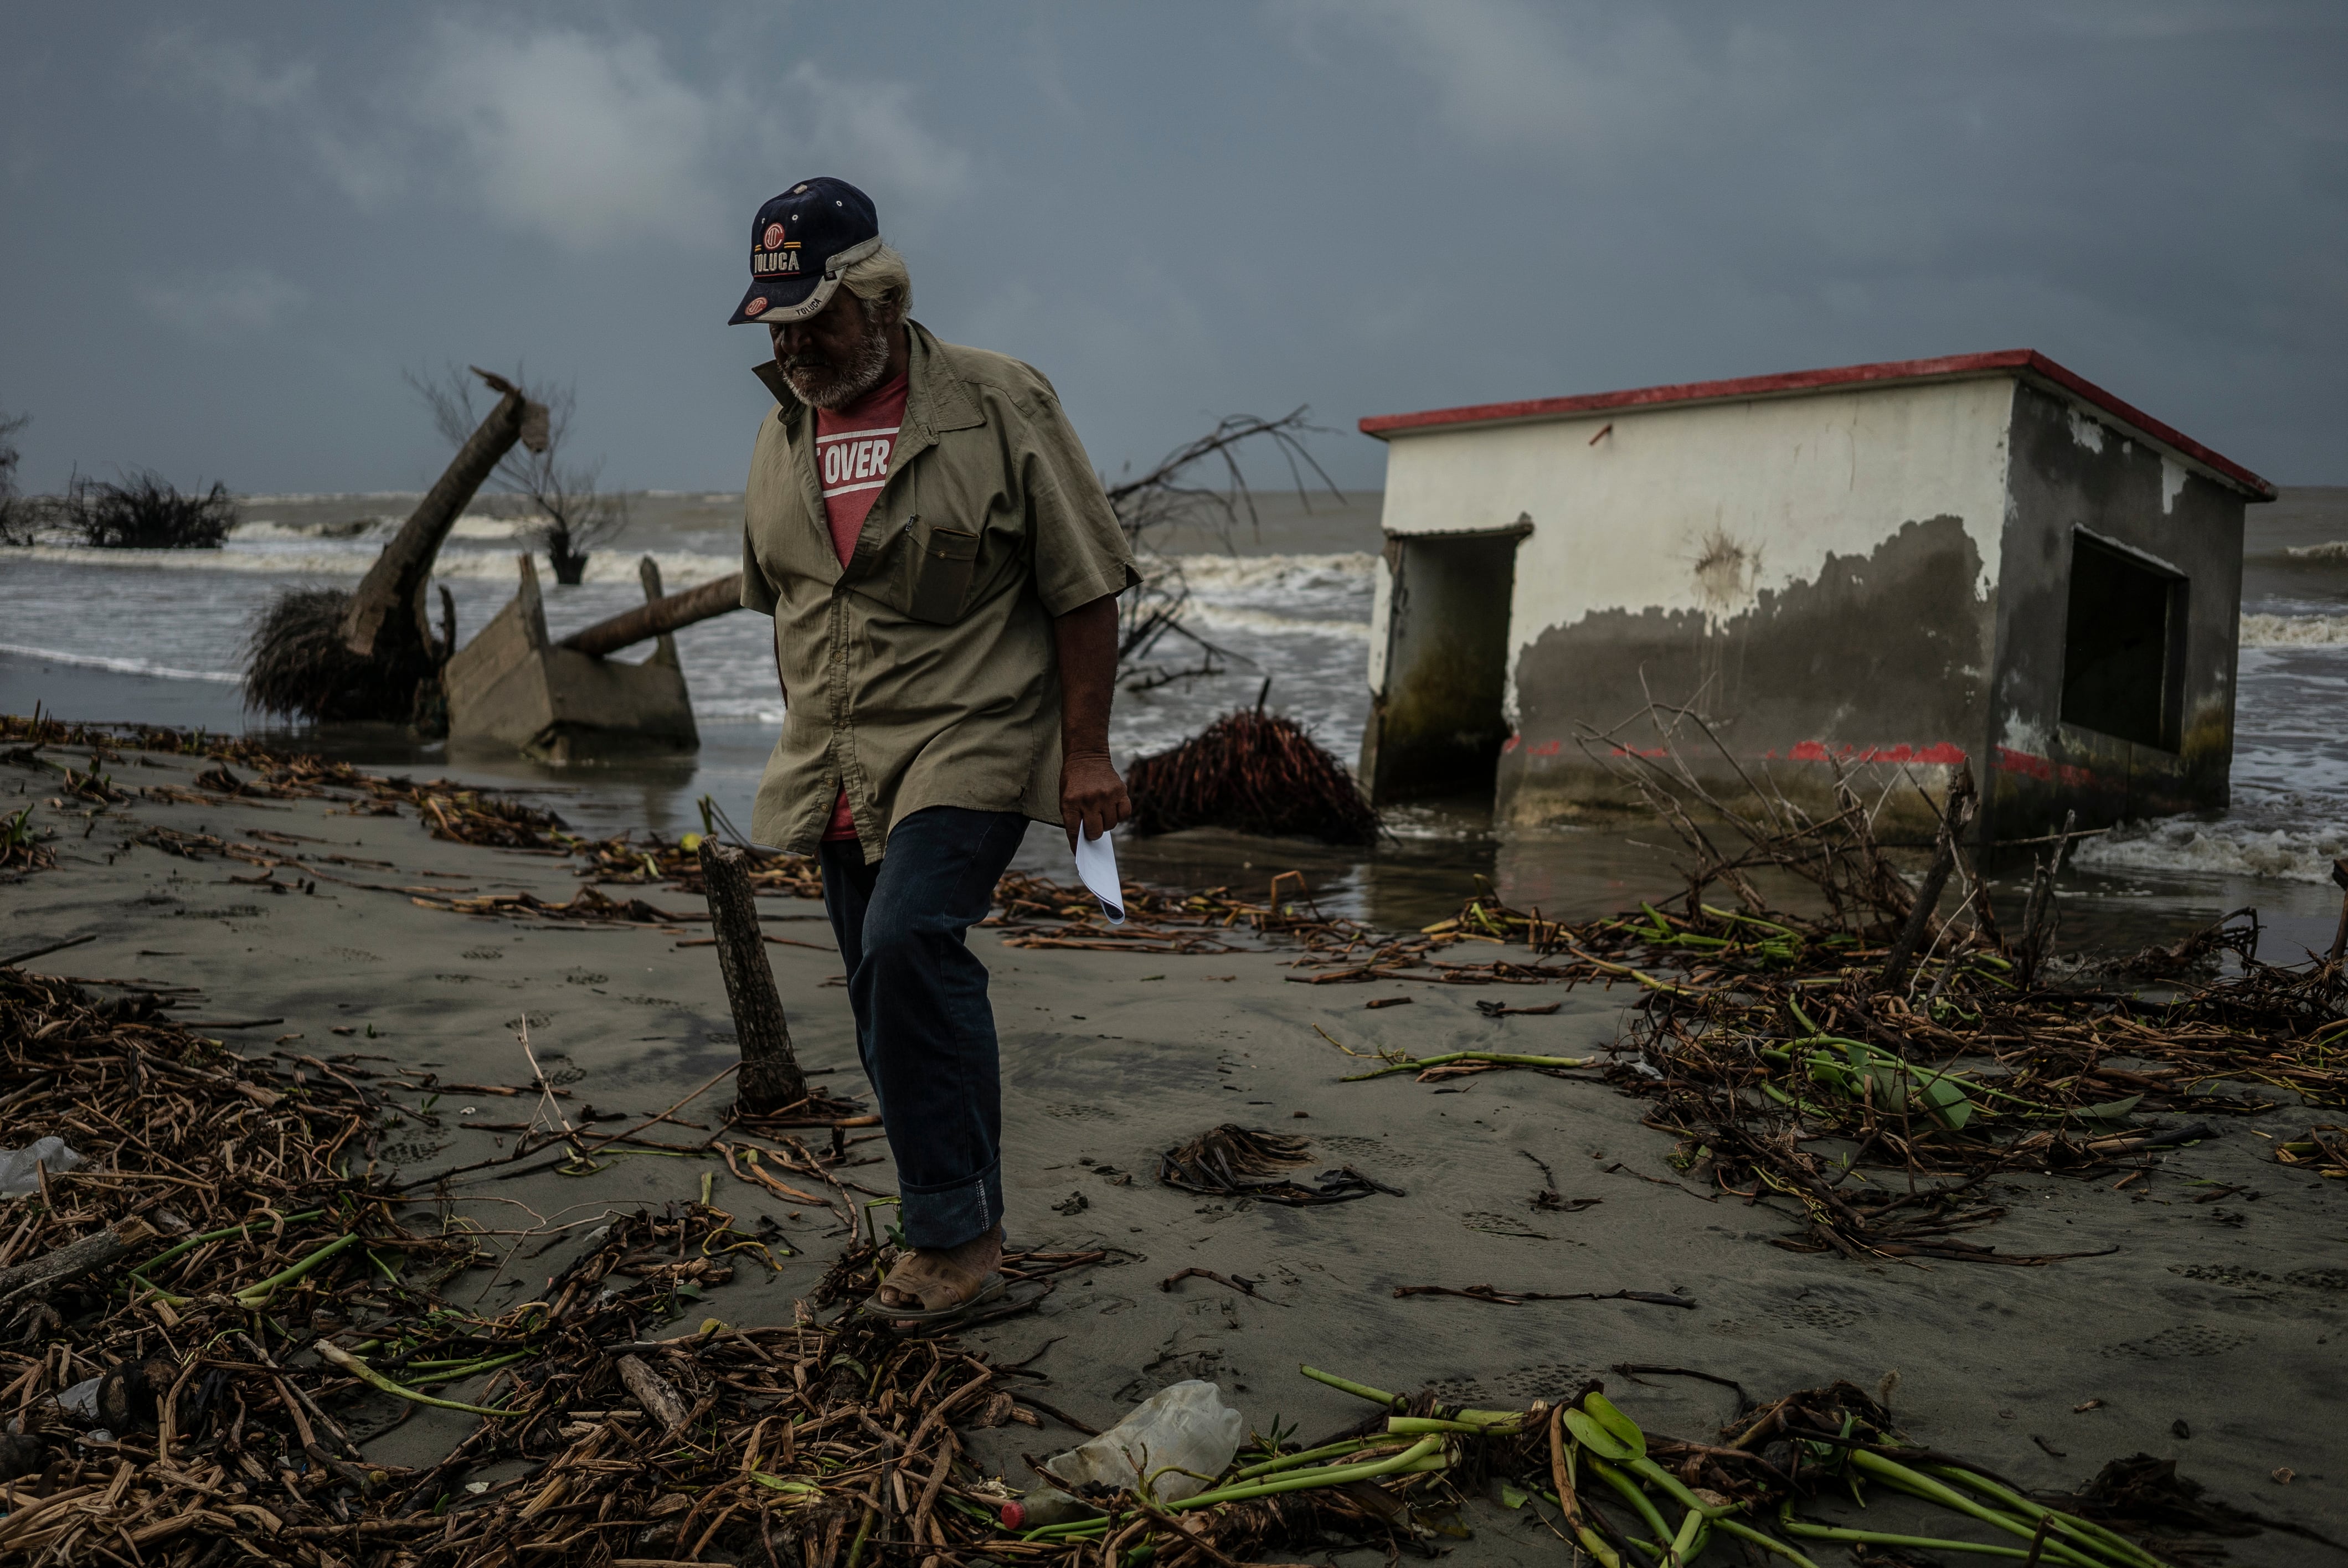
(366, 1373)
(863, 1535)
(2085, 1528)
(1359, 1390)
(253, 1295)
(193, 1242)
(1683, 1546)
(1766, 1543)
(1290, 1462)
(1632, 1493)
(1932, 1490)
(1420, 1425)
(1414, 1458)
(466, 1369)
(1881, 1538)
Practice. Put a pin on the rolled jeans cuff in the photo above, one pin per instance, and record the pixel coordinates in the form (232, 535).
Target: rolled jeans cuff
(935, 1218)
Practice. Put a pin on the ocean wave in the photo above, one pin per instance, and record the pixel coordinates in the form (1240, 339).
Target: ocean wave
(1240, 618)
(2216, 848)
(1222, 574)
(2331, 550)
(679, 569)
(121, 666)
(2294, 630)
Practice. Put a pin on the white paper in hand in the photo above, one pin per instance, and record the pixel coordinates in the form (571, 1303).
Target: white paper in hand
(1097, 870)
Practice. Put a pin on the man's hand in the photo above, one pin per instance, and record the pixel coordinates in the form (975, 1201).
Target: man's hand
(1091, 796)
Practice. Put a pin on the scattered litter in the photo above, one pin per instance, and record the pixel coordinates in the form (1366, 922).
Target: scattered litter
(20, 1169)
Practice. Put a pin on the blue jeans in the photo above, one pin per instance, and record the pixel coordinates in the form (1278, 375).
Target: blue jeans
(923, 1028)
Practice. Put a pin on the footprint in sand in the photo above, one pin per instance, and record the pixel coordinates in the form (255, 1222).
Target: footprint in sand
(2185, 1339)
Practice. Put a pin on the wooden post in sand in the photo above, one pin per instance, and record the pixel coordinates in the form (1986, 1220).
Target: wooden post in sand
(770, 1077)
(387, 615)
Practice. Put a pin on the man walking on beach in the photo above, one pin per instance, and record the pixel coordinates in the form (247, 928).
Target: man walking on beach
(942, 570)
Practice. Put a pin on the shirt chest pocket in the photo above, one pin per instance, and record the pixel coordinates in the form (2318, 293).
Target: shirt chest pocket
(943, 560)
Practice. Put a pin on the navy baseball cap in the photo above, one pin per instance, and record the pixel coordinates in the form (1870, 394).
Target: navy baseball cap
(800, 242)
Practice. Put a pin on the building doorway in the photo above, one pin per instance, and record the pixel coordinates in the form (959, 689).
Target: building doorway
(1436, 727)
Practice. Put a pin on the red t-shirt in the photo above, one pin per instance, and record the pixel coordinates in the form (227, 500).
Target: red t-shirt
(852, 447)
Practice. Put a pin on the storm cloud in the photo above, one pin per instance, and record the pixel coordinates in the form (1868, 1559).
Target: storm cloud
(226, 237)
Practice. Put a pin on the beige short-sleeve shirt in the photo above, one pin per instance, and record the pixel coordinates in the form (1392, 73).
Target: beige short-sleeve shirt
(923, 672)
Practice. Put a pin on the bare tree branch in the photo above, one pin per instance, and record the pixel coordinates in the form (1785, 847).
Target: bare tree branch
(571, 512)
(1161, 498)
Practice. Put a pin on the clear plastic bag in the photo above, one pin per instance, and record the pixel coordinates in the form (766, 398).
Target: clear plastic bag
(1179, 1437)
(19, 1178)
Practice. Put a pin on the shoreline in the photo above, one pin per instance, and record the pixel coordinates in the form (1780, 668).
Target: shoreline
(1111, 1058)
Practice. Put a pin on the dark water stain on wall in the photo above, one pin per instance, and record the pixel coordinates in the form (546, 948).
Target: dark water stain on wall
(1882, 650)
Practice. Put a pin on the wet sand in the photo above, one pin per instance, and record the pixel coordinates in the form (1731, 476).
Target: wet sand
(2229, 1316)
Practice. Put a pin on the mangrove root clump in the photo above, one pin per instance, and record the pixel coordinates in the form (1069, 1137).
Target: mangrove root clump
(1251, 772)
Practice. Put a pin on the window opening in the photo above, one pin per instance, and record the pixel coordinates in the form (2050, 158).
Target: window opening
(2123, 643)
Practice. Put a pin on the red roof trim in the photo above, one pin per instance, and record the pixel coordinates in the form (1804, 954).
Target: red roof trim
(2017, 361)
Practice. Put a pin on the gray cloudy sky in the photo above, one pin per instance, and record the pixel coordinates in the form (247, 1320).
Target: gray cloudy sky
(228, 228)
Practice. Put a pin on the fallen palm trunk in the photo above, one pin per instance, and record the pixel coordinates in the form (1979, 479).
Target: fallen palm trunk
(324, 654)
(385, 620)
(659, 617)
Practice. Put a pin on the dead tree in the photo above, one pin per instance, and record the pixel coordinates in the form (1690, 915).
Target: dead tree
(770, 1078)
(571, 512)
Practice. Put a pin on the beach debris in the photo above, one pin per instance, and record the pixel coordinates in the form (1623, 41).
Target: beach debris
(2324, 1150)
(1452, 1063)
(1235, 1161)
(1170, 1445)
(1251, 772)
(770, 1078)
(1498, 1011)
(511, 685)
(1519, 1298)
(21, 848)
(324, 654)
(20, 1169)
(659, 615)
(1244, 1285)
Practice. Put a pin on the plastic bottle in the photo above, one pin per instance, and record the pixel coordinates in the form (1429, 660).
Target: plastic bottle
(1180, 1438)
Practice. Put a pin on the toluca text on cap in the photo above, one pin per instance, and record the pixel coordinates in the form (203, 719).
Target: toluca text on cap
(801, 244)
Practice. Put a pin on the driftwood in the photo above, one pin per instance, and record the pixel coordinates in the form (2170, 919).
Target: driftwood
(89, 1254)
(653, 1391)
(659, 618)
(770, 1078)
(386, 619)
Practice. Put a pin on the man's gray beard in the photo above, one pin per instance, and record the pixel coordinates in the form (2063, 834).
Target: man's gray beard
(863, 372)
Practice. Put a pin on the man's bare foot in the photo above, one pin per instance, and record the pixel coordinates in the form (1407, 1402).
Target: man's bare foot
(932, 1280)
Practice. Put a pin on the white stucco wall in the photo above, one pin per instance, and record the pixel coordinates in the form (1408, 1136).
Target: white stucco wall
(1700, 507)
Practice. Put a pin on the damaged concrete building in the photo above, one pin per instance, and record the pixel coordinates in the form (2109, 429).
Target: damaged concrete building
(1984, 559)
